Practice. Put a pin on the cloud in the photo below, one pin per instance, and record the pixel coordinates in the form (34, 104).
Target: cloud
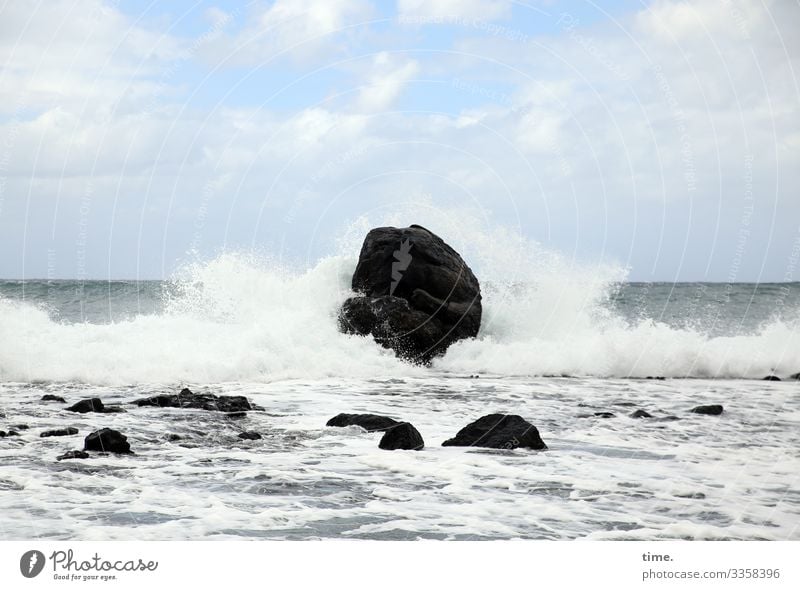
(299, 29)
(64, 53)
(389, 74)
(438, 9)
(634, 139)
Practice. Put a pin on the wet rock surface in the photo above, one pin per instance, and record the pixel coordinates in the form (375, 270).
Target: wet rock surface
(417, 296)
(369, 422)
(402, 437)
(709, 410)
(498, 431)
(250, 435)
(76, 454)
(69, 431)
(107, 440)
(201, 401)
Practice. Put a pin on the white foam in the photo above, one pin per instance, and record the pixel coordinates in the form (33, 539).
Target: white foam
(232, 320)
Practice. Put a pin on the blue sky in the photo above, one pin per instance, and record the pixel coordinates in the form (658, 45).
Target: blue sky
(661, 137)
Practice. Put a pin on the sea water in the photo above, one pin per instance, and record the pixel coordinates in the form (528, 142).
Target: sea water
(559, 343)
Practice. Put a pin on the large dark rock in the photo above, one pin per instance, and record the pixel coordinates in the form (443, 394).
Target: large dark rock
(417, 296)
(108, 441)
(498, 431)
(202, 401)
(771, 378)
(69, 431)
(712, 410)
(369, 422)
(402, 437)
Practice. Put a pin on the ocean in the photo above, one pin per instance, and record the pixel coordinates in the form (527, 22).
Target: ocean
(558, 344)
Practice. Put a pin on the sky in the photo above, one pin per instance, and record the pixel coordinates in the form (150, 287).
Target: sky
(662, 137)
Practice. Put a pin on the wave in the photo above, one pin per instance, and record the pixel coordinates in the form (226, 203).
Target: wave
(236, 318)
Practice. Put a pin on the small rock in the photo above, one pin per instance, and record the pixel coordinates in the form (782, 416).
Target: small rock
(73, 455)
(12, 433)
(21, 426)
(84, 406)
(657, 377)
(3, 434)
(236, 415)
(712, 410)
(201, 401)
(605, 415)
(250, 435)
(402, 437)
(108, 441)
(498, 431)
(49, 397)
(69, 431)
(771, 378)
(173, 437)
(369, 422)
(692, 495)
(641, 414)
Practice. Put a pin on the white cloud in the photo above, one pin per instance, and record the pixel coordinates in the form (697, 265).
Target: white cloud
(577, 132)
(298, 29)
(67, 53)
(389, 74)
(442, 9)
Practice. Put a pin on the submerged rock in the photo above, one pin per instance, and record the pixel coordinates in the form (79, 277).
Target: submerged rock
(250, 435)
(76, 454)
(94, 404)
(402, 437)
(84, 406)
(417, 296)
(711, 410)
(498, 431)
(49, 397)
(795, 377)
(598, 415)
(369, 422)
(108, 441)
(69, 431)
(201, 401)
(641, 414)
